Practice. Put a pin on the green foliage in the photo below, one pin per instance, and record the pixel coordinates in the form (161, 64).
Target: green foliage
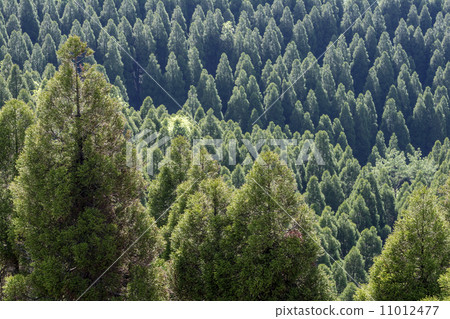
(415, 255)
(369, 244)
(195, 242)
(224, 70)
(73, 151)
(271, 230)
(354, 266)
(162, 191)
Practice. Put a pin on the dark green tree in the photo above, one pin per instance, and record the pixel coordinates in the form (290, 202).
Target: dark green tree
(15, 81)
(224, 79)
(196, 242)
(370, 245)
(238, 107)
(174, 83)
(113, 61)
(314, 196)
(79, 149)
(5, 95)
(354, 266)
(15, 118)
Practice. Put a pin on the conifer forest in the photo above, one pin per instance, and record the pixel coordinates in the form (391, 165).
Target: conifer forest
(225, 150)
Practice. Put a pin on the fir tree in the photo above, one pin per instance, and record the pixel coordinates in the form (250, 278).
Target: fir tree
(82, 155)
(415, 255)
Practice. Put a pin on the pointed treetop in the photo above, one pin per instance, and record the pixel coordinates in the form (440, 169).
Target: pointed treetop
(73, 49)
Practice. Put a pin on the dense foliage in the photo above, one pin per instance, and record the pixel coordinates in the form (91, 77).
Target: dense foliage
(356, 208)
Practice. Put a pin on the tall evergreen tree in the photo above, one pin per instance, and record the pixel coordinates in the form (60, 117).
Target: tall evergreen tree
(267, 222)
(238, 107)
(173, 79)
(113, 61)
(196, 242)
(82, 155)
(224, 79)
(415, 255)
(15, 81)
(369, 244)
(5, 95)
(15, 118)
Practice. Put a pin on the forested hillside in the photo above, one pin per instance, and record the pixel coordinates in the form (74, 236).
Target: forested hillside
(344, 103)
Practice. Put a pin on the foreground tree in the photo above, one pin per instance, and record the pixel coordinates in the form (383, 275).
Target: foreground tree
(15, 118)
(415, 255)
(270, 249)
(77, 203)
(195, 242)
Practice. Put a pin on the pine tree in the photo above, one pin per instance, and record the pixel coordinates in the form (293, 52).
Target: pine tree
(348, 124)
(287, 25)
(354, 266)
(271, 47)
(238, 176)
(339, 276)
(360, 213)
(415, 254)
(82, 155)
(349, 292)
(272, 105)
(385, 71)
(331, 189)
(224, 79)
(37, 59)
(113, 61)
(314, 196)
(13, 24)
(254, 96)
(174, 82)
(147, 105)
(128, 10)
(195, 66)
(160, 36)
(269, 219)
(369, 244)
(109, 11)
(28, 19)
(49, 50)
(15, 81)
(210, 98)
(425, 19)
(149, 87)
(5, 95)
(393, 122)
(18, 48)
(192, 103)
(177, 44)
(427, 126)
(360, 66)
(143, 42)
(196, 242)
(15, 118)
(347, 234)
(238, 107)
(162, 193)
(211, 38)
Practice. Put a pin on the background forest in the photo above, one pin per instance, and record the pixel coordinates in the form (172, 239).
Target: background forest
(366, 81)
